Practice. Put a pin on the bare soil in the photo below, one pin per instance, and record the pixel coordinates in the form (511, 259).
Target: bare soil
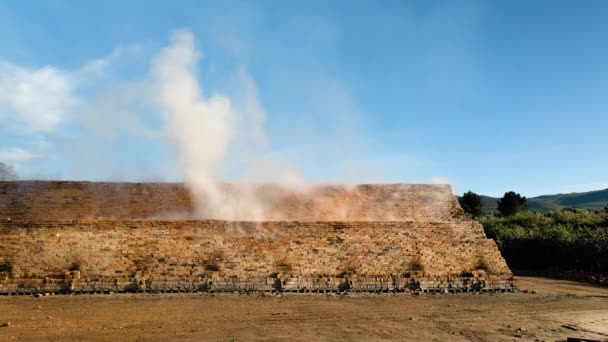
(557, 310)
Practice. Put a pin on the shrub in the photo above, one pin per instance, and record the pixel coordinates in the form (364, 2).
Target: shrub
(471, 203)
(561, 240)
(511, 203)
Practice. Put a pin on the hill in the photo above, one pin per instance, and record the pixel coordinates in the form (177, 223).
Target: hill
(592, 200)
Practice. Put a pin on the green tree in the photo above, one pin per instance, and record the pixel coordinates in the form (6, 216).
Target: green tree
(512, 203)
(7, 172)
(471, 203)
(606, 209)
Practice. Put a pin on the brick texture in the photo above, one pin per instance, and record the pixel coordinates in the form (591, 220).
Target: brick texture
(43, 200)
(91, 237)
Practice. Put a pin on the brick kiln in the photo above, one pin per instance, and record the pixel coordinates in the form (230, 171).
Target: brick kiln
(114, 237)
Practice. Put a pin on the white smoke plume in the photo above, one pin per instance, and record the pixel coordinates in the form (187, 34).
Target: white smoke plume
(201, 126)
(217, 137)
(204, 126)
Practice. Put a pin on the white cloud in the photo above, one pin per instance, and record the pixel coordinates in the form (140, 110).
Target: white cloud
(40, 144)
(15, 155)
(97, 67)
(36, 99)
(122, 108)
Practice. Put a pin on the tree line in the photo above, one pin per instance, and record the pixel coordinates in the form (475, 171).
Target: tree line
(556, 242)
(510, 204)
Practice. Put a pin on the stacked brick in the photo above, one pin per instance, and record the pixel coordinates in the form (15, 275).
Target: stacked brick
(443, 251)
(43, 200)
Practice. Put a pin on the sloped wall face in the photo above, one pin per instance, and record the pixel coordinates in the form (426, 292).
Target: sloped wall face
(43, 200)
(71, 236)
(151, 250)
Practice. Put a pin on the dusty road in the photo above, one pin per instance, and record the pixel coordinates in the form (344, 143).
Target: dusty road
(557, 310)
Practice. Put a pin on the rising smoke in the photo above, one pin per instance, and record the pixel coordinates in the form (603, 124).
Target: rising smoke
(215, 135)
(7, 172)
(202, 127)
(218, 137)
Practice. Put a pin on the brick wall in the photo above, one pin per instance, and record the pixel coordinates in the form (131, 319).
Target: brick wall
(62, 236)
(153, 249)
(40, 200)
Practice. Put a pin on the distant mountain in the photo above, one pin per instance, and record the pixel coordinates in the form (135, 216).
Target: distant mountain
(592, 200)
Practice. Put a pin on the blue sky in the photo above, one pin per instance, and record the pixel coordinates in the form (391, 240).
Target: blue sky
(491, 96)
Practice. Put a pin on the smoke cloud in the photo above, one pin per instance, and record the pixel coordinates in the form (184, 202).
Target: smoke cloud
(7, 172)
(200, 126)
(204, 127)
(205, 130)
(215, 138)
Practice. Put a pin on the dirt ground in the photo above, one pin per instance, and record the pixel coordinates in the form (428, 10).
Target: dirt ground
(557, 310)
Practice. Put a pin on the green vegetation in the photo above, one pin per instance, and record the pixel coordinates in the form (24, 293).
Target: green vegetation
(592, 200)
(471, 203)
(557, 235)
(570, 239)
(511, 203)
